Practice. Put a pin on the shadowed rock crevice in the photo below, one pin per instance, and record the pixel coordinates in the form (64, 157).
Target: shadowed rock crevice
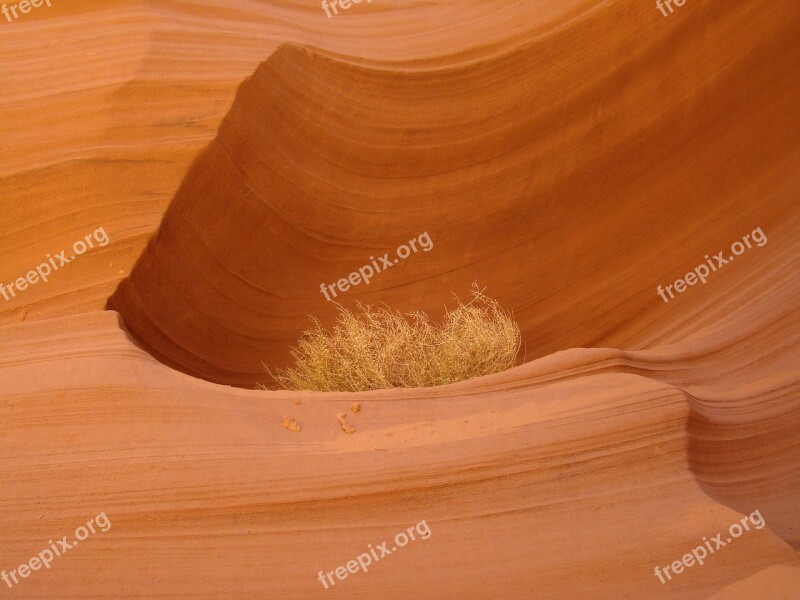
(567, 182)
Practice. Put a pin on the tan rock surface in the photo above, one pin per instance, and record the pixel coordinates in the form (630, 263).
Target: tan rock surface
(569, 155)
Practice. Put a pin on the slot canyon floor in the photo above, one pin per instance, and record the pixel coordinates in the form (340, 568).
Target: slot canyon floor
(571, 156)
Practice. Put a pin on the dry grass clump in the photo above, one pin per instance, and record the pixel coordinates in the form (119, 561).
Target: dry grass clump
(375, 348)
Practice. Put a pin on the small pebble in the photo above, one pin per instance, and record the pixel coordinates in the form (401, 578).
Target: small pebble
(290, 424)
(346, 427)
